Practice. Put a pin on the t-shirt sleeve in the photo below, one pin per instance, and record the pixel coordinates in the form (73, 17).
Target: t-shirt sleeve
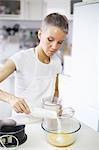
(17, 59)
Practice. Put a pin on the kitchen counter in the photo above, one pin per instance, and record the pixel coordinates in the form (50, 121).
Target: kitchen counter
(88, 139)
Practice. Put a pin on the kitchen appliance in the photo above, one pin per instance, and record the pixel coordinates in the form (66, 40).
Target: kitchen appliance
(11, 135)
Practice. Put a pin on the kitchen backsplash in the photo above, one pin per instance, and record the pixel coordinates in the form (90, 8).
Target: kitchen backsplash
(18, 35)
(22, 23)
(15, 36)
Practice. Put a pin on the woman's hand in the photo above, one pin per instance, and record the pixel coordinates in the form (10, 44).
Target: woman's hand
(19, 105)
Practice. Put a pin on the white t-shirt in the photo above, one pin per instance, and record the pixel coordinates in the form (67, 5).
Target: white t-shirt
(34, 80)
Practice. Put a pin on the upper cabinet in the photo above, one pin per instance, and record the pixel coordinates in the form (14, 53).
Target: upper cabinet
(33, 9)
(62, 6)
(21, 9)
(10, 9)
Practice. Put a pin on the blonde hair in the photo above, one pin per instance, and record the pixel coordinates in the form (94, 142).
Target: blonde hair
(57, 20)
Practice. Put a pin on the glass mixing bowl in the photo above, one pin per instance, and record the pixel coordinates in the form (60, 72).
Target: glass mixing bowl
(65, 134)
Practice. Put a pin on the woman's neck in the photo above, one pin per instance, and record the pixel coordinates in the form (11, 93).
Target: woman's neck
(42, 56)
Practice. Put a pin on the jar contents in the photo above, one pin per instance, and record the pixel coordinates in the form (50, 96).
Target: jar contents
(52, 104)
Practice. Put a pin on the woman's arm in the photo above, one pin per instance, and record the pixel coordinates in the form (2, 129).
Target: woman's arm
(17, 103)
(7, 69)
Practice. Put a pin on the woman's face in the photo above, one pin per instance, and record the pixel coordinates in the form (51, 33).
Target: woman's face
(51, 39)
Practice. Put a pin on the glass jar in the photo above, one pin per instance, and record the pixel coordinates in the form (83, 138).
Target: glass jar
(54, 103)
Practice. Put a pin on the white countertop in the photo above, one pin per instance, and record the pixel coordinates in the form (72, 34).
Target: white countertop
(87, 139)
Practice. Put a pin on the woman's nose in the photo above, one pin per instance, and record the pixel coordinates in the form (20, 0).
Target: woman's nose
(54, 45)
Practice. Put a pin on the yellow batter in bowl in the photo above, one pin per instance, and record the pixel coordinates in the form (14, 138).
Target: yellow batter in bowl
(61, 139)
(64, 134)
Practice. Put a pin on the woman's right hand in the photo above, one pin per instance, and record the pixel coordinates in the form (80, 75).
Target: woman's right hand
(19, 105)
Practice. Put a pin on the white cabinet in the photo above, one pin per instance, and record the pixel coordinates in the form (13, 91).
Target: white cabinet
(22, 9)
(85, 61)
(11, 9)
(33, 9)
(60, 6)
(83, 112)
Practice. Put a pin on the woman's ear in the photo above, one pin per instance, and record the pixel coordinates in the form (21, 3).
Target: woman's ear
(39, 34)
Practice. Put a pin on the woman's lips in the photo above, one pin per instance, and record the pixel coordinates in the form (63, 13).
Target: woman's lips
(52, 51)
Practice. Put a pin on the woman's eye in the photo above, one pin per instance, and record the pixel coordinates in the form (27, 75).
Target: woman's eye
(60, 43)
(50, 40)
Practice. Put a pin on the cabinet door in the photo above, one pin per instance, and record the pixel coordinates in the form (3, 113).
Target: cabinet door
(33, 9)
(10, 9)
(62, 6)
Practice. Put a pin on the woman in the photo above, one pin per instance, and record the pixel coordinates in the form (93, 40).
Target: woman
(36, 69)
